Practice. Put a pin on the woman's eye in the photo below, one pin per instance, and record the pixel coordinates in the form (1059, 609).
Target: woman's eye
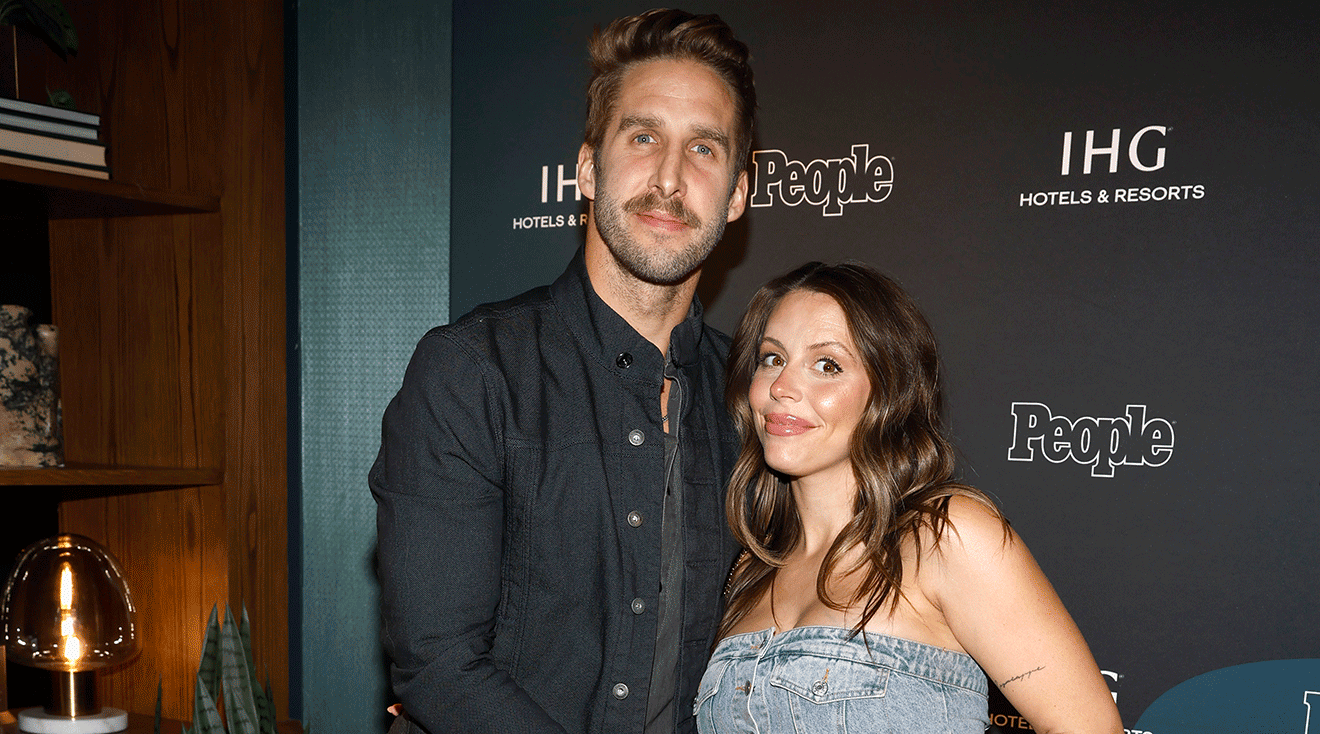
(828, 366)
(771, 360)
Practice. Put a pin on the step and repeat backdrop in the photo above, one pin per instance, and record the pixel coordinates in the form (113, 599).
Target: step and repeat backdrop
(1111, 216)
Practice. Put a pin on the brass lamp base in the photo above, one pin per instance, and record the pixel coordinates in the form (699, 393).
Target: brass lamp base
(74, 693)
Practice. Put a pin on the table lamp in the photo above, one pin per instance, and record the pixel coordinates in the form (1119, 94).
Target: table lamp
(67, 609)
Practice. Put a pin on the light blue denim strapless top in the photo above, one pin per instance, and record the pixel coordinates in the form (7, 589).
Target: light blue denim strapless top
(815, 680)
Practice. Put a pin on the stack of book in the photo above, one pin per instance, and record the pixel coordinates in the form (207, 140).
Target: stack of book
(51, 138)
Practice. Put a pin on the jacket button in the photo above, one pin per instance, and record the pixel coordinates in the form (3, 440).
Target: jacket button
(620, 691)
(635, 519)
(638, 606)
(636, 437)
(820, 687)
(623, 361)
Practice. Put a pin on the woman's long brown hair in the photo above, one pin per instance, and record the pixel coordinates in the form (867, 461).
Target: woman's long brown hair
(902, 461)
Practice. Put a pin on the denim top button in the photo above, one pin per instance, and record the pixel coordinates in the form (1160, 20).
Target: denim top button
(623, 361)
(635, 519)
(636, 437)
(819, 687)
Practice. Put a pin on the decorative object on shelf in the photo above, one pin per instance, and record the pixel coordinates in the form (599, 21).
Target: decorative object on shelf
(67, 609)
(227, 663)
(47, 20)
(53, 137)
(30, 430)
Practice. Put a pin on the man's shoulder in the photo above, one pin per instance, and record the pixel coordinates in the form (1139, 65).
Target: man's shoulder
(499, 320)
(490, 342)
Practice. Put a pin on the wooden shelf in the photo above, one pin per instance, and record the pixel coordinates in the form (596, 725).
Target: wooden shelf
(77, 475)
(66, 196)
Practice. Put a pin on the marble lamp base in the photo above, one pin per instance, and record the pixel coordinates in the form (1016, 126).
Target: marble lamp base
(37, 721)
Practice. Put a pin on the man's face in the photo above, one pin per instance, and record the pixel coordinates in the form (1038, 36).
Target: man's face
(661, 181)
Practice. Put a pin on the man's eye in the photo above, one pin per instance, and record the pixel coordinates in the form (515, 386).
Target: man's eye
(704, 150)
(644, 138)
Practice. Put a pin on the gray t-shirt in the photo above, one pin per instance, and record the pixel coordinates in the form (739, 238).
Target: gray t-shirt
(660, 714)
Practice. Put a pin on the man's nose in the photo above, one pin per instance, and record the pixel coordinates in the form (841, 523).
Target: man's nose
(668, 179)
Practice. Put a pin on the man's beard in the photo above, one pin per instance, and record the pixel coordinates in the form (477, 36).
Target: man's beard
(660, 267)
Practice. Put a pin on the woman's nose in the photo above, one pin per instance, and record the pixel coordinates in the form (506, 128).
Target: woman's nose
(783, 386)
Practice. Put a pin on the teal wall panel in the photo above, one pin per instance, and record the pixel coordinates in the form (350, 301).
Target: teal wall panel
(372, 136)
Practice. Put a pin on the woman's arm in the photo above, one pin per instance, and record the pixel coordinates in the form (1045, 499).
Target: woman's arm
(1004, 612)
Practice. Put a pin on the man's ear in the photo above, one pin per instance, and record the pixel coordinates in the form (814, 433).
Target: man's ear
(586, 172)
(737, 199)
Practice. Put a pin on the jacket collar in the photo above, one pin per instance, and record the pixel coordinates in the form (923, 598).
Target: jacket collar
(602, 331)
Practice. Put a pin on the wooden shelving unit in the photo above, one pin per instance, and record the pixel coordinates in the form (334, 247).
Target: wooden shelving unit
(168, 289)
(28, 192)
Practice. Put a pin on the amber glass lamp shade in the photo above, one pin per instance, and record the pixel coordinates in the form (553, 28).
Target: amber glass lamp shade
(67, 609)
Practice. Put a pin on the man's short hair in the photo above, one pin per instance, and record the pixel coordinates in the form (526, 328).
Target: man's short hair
(669, 34)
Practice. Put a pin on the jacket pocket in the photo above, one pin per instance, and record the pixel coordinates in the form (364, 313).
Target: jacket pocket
(826, 694)
(823, 679)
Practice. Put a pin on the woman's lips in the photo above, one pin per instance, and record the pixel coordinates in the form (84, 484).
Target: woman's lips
(783, 424)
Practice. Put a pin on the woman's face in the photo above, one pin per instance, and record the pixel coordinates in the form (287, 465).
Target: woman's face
(809, 389)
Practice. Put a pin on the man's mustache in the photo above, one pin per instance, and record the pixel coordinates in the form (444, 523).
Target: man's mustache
(651, 201)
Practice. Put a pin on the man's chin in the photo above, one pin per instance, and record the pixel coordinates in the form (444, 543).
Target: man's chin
(653, 274)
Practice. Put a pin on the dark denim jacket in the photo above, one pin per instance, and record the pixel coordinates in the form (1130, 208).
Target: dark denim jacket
(519, 488)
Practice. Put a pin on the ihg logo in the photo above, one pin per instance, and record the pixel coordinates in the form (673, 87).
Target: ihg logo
(1100, 443)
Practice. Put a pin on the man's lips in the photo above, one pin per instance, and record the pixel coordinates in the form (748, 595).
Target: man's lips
(662, 221)
(783, 424)
(666, 213)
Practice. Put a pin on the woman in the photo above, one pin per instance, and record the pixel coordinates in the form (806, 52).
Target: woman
(875, 588)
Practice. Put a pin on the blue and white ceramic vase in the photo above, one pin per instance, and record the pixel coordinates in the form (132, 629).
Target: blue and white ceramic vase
(30, 431)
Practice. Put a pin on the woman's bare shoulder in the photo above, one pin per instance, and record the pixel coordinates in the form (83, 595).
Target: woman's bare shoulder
(973, 526)
(976, 540)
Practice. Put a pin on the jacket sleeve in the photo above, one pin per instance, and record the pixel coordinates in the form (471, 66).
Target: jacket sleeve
(440, 522)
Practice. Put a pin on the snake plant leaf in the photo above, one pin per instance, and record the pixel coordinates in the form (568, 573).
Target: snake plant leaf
(240, 706)
(206, 718)
(245, 634)
(209, 668)
(160, 691)
(266, 708)
(264, 701)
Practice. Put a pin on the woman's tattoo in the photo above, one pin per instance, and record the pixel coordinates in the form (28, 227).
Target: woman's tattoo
(1020, 677)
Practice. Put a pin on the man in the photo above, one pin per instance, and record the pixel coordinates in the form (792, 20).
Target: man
(552, 545)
